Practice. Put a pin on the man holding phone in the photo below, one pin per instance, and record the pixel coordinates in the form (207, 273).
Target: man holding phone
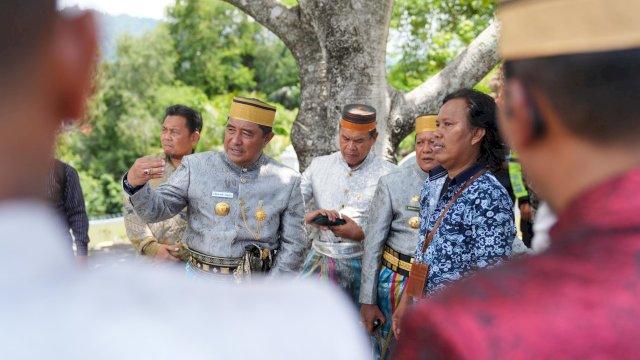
(341, 186)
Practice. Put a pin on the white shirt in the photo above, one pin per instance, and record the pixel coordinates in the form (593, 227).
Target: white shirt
(543, 221)
(49, 309)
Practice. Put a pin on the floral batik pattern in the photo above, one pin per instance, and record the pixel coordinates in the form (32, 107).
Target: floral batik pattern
(476, 232)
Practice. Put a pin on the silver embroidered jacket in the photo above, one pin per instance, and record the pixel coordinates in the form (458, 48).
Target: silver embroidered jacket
(204, 180)
(396, 201)
(332, 185)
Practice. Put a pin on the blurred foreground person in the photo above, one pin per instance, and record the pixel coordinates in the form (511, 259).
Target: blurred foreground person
(51, 310)
(571, 112)
(163, 240)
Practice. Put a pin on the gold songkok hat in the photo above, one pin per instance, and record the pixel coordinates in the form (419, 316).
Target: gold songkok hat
(540, 28)
(358, 117)
(426, 123)
(252, 110)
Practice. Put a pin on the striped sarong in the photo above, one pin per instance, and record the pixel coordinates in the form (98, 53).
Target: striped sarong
(343, 272)
(390, 288)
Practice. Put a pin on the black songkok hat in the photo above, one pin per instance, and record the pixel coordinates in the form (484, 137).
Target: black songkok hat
(358, 117)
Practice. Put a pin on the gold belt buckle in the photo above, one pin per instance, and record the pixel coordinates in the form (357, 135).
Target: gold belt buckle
(390, 258)
(404, 265)
(395, 263)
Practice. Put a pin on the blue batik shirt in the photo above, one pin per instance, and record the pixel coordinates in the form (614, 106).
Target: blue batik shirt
(476, 232)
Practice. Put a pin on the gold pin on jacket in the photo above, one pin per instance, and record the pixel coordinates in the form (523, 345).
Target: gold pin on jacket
(414, 222)
(222, 208)
(260, 215)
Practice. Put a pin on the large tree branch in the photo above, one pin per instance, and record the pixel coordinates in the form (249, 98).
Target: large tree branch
(466, 70)
(283, 22)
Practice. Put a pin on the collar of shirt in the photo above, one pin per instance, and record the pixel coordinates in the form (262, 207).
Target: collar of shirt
(249, 168)
(466, 174)
(609, 208)
(421, 173)
(460, 179)
(168, 166)
(437, 173)
(362, 165)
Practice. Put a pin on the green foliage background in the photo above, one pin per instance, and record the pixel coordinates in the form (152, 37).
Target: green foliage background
(426, 35)
(207, 52)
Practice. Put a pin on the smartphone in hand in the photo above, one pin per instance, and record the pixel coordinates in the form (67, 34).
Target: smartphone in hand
(323, 220)
(376, 324)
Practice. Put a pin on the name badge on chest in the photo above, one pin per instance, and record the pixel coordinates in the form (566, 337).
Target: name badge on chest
(222, 194)
(414, 199)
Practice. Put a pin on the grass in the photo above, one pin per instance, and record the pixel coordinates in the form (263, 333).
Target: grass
(106, 233)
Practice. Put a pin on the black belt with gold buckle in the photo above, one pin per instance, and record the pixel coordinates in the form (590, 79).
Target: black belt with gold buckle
(396, 261)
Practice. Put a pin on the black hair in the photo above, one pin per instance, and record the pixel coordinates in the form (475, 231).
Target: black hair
(266, 130)
(193, 117)
(596, 95)
(482, 114)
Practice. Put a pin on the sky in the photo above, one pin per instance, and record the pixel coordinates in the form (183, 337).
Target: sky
(139, 8)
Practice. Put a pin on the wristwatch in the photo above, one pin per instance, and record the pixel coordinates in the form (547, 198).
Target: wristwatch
(126, 185)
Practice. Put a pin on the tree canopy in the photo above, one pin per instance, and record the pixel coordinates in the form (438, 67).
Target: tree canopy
(429, 34)
(207, 52)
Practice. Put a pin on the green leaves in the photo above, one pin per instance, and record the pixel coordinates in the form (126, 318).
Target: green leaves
(222, 50)
(426, 35)
(206, 53)
(209, 51)
(429, 34)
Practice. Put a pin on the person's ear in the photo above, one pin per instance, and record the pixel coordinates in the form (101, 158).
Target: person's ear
(267, 138)
(478, 134)
(195, 137)
(375, 136)
(73, 55)
(517, 116)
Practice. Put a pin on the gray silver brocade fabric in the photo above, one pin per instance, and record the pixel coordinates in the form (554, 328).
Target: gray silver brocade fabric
(396, 200)
(206, 179)
(333, 185)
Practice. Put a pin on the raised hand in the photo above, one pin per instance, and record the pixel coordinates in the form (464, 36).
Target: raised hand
(145, 169)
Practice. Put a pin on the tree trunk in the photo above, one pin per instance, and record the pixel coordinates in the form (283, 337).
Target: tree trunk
(340, 49)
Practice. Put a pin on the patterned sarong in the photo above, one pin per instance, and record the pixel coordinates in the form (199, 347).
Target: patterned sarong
(343, 272)
(390, 288)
